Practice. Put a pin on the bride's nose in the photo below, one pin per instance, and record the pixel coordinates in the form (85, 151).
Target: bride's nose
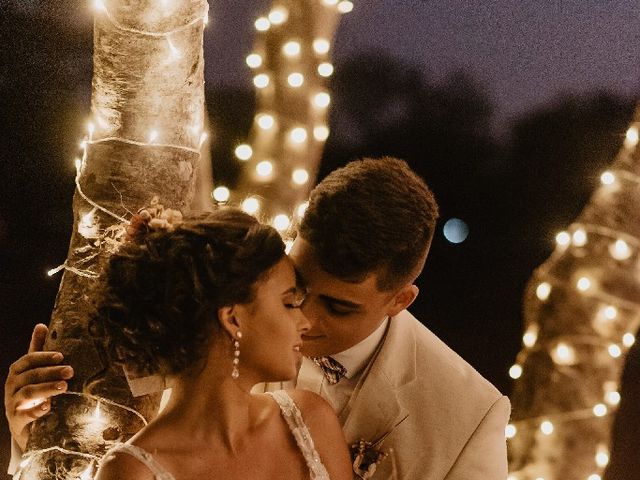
(303, 322)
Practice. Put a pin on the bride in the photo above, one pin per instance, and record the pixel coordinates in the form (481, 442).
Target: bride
(214, 304)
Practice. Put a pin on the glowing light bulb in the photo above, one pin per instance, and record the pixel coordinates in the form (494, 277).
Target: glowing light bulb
(321, 100)
(546, 427)
(281, 222)
(628, 339)
(221, 194)
(262, 24)
(265, 121)
(96, 412)
(153, 136)
(614, 350)
(175, 53)
(302, 208)
(600, 410)
(321, 46)
(579, 238)
(264, 168)
(531, 336)
(330, 2)
(78, 164)
(300, 176)
(602, 456)
(278, 15)
(88, 473)
(291, 48)
(510, 431)
(515, 371)
(563, 239)
(298, 135)
(251, 205)
(564, 354)
(295, 79)
(243, 152)
(612, 398)
(610, 312)
(594, 476)
(99, 6)
(320, 133)
(87, 226)
(631, 138)
(345, 6)
(543, 291)
(583, 284)
(253, 60)
(607, 178)
(91, 128)
(261, 80)
(325, 69)
(620, 250)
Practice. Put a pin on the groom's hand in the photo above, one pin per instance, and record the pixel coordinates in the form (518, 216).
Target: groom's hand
(32, 380)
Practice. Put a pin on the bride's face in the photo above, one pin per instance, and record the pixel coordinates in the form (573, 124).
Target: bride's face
(272, 326)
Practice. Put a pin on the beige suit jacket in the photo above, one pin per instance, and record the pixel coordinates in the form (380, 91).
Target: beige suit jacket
(439, 419)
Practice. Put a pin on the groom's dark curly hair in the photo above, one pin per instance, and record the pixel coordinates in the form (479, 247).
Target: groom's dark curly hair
(373, 215)
(162, 293)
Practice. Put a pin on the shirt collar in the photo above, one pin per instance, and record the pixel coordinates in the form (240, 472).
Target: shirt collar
(355, 358)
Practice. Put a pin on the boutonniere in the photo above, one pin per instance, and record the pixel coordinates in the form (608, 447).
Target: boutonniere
(366, 458)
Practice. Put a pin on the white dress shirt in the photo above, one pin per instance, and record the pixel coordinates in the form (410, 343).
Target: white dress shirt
(354, 360)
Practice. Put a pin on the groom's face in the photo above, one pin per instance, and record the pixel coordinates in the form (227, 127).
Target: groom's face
(340, 313)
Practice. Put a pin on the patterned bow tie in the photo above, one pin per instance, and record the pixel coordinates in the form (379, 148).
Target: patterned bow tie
(332, 369)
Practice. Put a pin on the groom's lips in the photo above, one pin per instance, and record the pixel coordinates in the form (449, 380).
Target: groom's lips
(306, 338)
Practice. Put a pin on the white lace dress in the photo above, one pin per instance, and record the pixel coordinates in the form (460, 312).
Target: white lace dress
(292, 416)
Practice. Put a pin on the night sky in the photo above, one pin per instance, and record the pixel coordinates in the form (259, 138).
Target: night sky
(524, 54)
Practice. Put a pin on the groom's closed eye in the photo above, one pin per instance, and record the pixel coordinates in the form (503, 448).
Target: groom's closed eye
(339, 307)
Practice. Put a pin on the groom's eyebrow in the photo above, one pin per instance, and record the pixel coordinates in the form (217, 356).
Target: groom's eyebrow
(291, 290)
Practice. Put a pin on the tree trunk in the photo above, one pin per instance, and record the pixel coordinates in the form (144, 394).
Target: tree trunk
(147, 113)
(295, 38)
(582, 311)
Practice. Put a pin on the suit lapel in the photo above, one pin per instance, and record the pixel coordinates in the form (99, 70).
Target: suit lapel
(374, 408)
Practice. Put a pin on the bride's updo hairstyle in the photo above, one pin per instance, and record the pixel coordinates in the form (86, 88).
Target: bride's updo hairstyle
(163, 290)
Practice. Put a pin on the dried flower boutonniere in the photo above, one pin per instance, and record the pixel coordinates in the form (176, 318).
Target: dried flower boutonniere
(366, 458)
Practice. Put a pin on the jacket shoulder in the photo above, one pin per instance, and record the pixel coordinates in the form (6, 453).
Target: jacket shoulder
(439, 368)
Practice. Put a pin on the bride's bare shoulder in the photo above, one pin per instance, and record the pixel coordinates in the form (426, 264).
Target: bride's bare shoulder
(122, 466)
(326, 431)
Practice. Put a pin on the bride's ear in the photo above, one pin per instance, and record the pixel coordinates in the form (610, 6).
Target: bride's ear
(229, 320)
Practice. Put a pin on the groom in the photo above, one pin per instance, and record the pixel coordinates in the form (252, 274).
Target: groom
(418, 408)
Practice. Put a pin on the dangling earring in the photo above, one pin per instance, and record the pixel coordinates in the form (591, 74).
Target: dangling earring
(236, 356)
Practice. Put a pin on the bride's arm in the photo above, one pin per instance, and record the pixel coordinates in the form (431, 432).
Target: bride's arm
(326, 432)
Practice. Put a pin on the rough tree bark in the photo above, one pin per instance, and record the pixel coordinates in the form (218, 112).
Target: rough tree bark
(147, 113)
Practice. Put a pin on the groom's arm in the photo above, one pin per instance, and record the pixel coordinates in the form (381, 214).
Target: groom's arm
(484, 457)
(32, 380)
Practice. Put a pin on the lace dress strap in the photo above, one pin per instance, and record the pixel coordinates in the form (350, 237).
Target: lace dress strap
(144, 457)
(293, 417)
